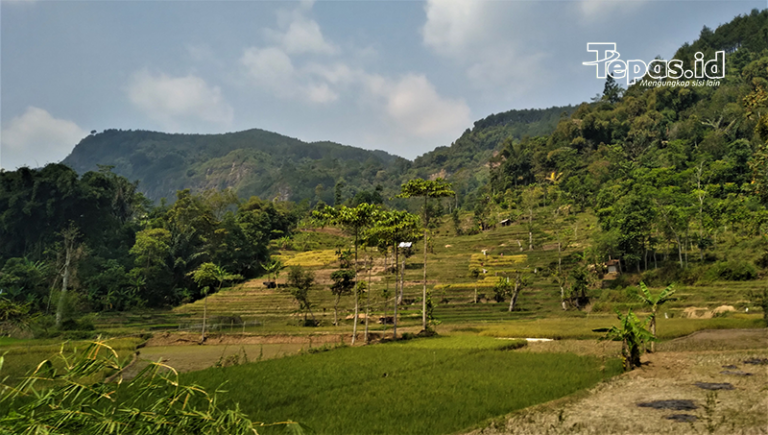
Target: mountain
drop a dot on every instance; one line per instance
(253, 162)
(465, 162)
(270, 165)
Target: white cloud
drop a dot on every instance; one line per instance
(404, 109)
(179, 101)
(303, 36)
(321, 93)
(454, 26)
(299, 34)
(599, 9)
(270, 69)
(36, 138)
(497, 43)
(416, 107)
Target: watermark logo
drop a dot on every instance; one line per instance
(608, 62)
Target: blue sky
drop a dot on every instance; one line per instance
(401, 76)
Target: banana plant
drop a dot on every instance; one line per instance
(632, 334)
(655, 301)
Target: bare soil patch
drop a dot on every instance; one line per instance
(672, 373)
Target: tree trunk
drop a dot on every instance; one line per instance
(368, 301)
(475, 290)
(645, 256)
(397, 297)
(516, 292)
(336, 310)
(653, 331)
(402, 281)
(562, 298)
(69, 247)
(205, 315)
(424, 291)
(386, 277)
(354, 324)
(530, 229)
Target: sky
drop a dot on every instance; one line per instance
(400, 76)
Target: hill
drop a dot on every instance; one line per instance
(270, 165)
(252, 162)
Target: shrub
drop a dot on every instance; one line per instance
(731, 270)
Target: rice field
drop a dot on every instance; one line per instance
(424, 386)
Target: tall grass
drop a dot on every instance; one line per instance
(20, 358)
(431, 386)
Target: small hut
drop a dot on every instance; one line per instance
(614, 266)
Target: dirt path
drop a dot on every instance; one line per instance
(188, 339)
(670, 374)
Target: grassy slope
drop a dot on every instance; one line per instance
(432, 386)
(453, 288)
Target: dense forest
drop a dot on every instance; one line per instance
(97, 234)
(664, 168)
(676, 176)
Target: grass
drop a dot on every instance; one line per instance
(581, 328)
(309, 258)
(20, 359)
(424, 386)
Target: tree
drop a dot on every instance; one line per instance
(612, 91)
(300, 281)
(475, 273)
(394, 228)
(343, 283)
(530, 201)
(343, 280)
(502, 289)
(654, 302)
(355, 220)
(632, 335)
(273, 268)
(426, 189)
(70, 254)
(521, 282)
(209, 276)
(151, 248)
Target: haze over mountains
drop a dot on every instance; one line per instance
(270, 165)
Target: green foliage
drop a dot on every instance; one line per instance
(760, 298)
(343, 281)
(732, 270)
(251, 163)
(211, 277)
(632, 335)
(299, 282)
(25, 281)
(78, 399)
(502, 289)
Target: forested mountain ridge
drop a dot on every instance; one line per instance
(269, 165)
(253, 163)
